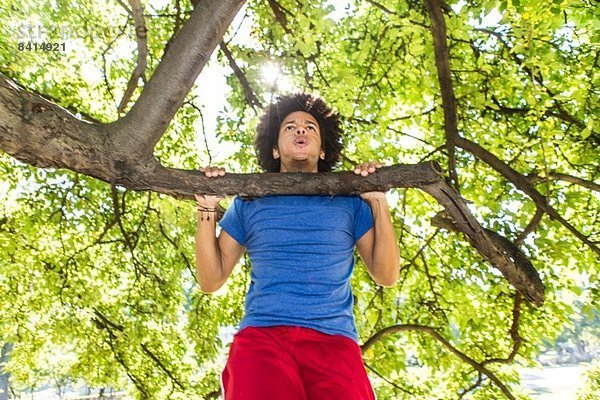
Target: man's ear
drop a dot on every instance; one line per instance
(322, 155)
(275, 153)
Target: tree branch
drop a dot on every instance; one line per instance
(522, 184)
(514, 334)
(42, 134)
(280, 15)
(562, 113)
(501, 252)
(472, 387)
(380, 6)
(137, 12)
(442, 63)
(433, 333)
(567, 178)
(531, 226)
(388, 381)
(103, 323)
(135, 135)
(161, 365)
(239, 74)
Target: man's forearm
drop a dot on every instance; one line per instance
(386, 255)
(208, 255)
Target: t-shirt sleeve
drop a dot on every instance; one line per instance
(363, 220)
(233, 223)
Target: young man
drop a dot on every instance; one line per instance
(297, 340)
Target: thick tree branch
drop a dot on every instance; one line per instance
(449, 103)
(480, 367)
(426, 177)
(507, 257)
(42, 134)
(442, 63)
(183, 184)
(135, 135)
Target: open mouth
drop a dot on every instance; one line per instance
(300, 141)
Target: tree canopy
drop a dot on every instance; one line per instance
(103, 122)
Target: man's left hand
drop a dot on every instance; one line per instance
(365, 169)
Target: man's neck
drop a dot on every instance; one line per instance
(299, 166)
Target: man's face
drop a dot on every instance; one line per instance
(299, 143)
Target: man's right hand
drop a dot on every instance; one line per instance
(210, 201)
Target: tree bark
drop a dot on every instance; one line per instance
(442, 64)
(138, 132)
(4, 376)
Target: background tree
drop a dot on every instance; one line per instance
(98, 279)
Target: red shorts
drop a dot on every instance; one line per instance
(293, 363)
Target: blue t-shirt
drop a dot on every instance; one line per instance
(301, 251)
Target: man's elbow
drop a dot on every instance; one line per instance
(209, 283)
(387, 281)
(388, 276)
(209, 274)
(210, 287)
(386, 270)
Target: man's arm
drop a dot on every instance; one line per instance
(379, 246)
(215, 256)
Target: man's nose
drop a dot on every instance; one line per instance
(300, 130)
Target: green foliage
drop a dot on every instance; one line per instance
(591, 386)
(98, 282)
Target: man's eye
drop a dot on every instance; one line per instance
(289, 127)
(310, 128)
